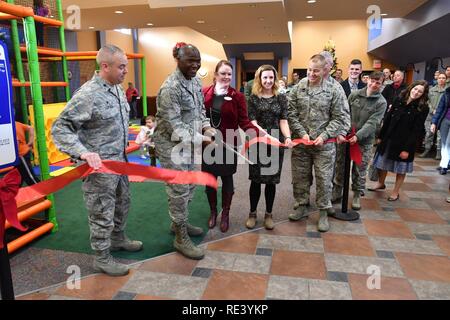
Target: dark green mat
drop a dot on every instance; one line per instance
(148, 220)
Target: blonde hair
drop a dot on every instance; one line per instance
(257, 85)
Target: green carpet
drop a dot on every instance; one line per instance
(148, 220)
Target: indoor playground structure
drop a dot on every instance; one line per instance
(40, 115)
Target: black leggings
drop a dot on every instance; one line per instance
(227, 184)
(255, 193)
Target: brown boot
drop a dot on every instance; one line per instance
(226, 204)
(251, 221)
(268, 222)
(212, 200)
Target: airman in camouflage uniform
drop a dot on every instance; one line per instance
(316, 113)
(181, 117)
(93, 127)
(368, 106)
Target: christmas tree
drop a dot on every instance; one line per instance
(330, 46)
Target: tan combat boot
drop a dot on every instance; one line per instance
(104, 262)
(184, 244)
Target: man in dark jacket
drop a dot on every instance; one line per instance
(353, 83)
(391, 91)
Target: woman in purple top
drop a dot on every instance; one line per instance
(441, 121)
(40, 9)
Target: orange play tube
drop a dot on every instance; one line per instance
(28, 237)
(31, 211)
(135, 55)
(4, 16)
(43, 84)
(80, 53)
(48, 21)
(50, 52)
(16, 10)
(94, 53)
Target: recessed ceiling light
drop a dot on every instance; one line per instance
(180, 9)
(309, 17)
(52, 16)
(311, 1)
(200, 21)
(91, 28)
(118, 11)
(261, 18)
(384, 14)
(225, 36)
(150, 24)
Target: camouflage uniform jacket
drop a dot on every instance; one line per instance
(317, 111)
(180, 112)
(94, 120)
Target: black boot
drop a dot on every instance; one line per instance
(226, 204)
(212, 200)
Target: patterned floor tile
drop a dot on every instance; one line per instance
(298, 264)
(390, 288)
(431, 229)
(394, 229)
(287, 288)
(362, 265)
(405, 245)
(347, 244)
(329, 290)
(420, 216)
(443, 242)
(245, 243)
(425, 267)
(96, 287)
(290, 243)
(297, 229)
(227, 285)
(171, 263)
(166, 285)
(429, 290)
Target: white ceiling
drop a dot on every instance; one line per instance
(234, 22)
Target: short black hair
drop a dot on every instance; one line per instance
(356, 61)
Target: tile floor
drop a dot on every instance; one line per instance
(406, 242)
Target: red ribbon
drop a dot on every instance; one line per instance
(137, 173)
(355, 151)
(9, 187)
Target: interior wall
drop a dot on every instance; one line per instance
(157, 43)
(125, 42)
(349, 36)
(87, 41)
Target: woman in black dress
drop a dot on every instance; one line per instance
(268, 109)
(402, 127)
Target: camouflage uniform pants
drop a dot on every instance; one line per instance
(303, 159)
(179, 195)
(338, 176)
(429, 136)
(358, 172)
(107, 199)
